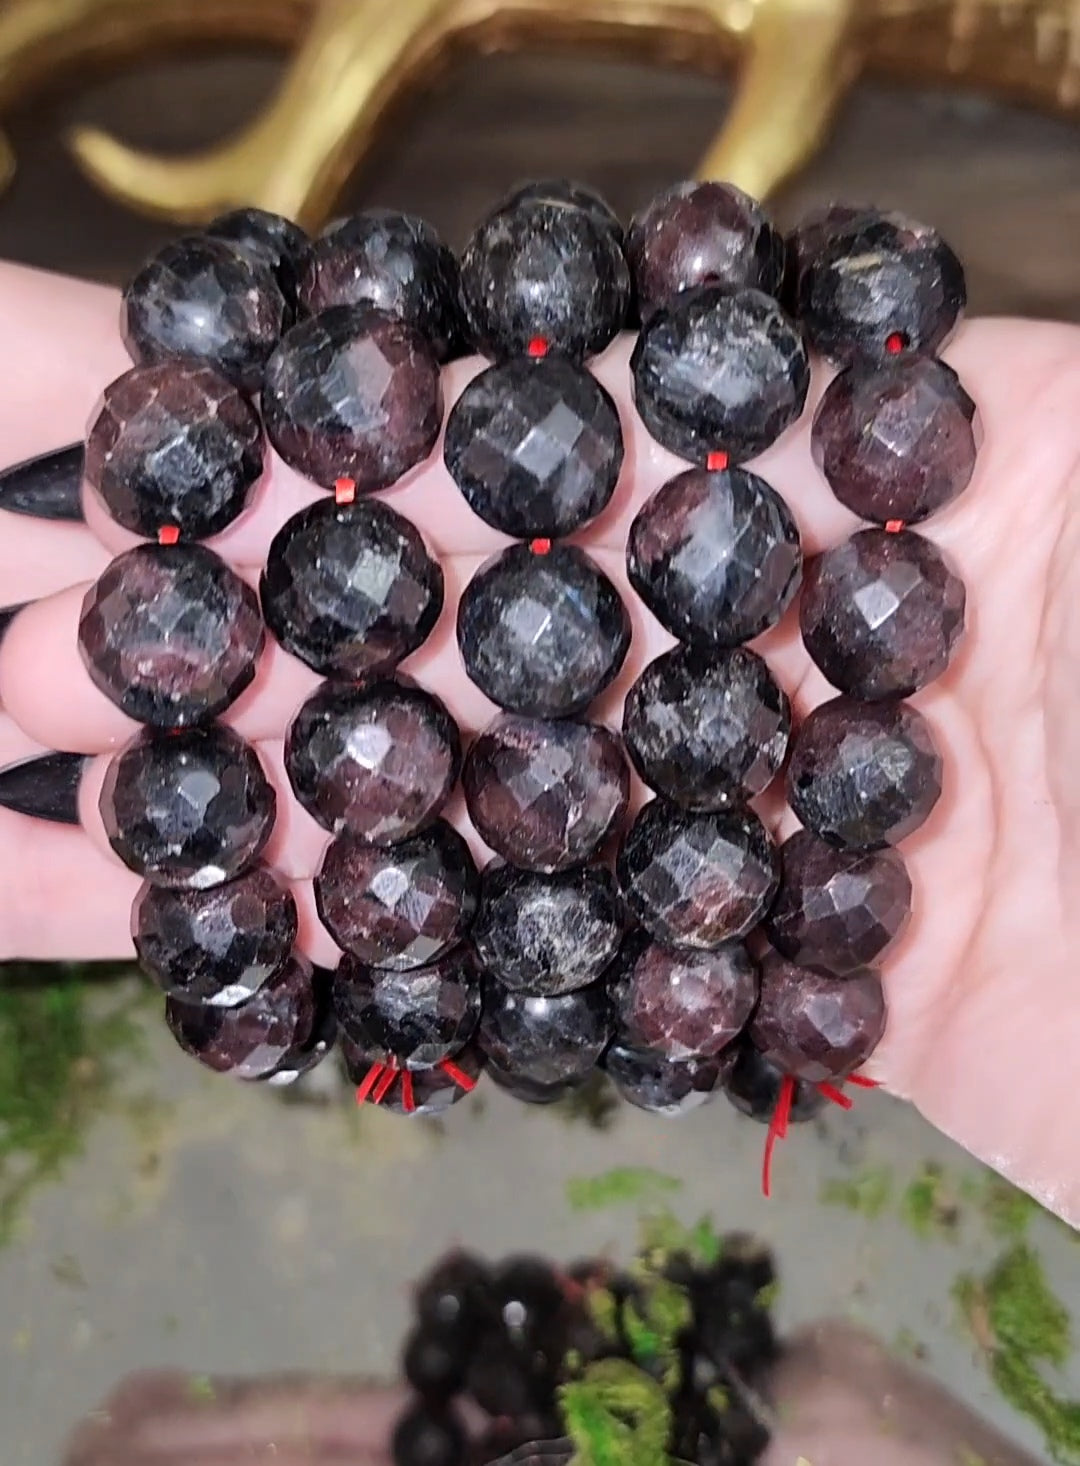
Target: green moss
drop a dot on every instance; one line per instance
(928, 1204)
(654, 1324)
(868, 1193)
(618, 1187)
(201, 1388)
(59, 1053)
(616, 1416)
(1007, 1211)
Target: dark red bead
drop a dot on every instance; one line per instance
(411, 1020)
(251, 1040)
(651, 1081)
(544, 1039)
(752, 1084)
(681, 1003)
(816, 1027)
(266, 237)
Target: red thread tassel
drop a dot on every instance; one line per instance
(168, 534)
(718, 461)
(369, 1081)
(861, 1082)
(408, 1097)
(382, 1089)
(837, 1096)
(777, 1129)
(460, 1078)
(344, 490)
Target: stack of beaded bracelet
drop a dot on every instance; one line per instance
(710, 960)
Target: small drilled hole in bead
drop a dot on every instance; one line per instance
(537, 347)
(895, 343)
(718, 461)
(344, 490)
(168, 534)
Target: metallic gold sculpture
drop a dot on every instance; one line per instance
(353, 58)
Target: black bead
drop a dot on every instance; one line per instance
(413, 1019)
(309, 1053)
(428, 1437)
(707, 729)
(207, 300)
(535, 446)
(719, 371)
(568, 192)
(215, 946)
(528, 1091)
(188, 809)
(269, 238)
(547, 934)
(752, 1084)
(544, 1039)
(350, 589)
(651, 1081)
(251, 1040)
(542, 632)
(393, 261)
(548, 270)
(434, 1364)
(455, 1296)
(715, 556)
(697, 880)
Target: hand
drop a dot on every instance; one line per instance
(984, 1031)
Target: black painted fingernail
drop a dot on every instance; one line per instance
(49, 487)
(7, 616)
(46, 787)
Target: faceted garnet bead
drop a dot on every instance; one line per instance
(170, 634)
(698, 234)
(881, 614)
(350, 589)
(567, 192)
(535, 446)
(393, 261)
(177, 445)
(547, 934)
(896, 440)
(652, 1081)
(542, 631)
(719, 371)
(697, 880)
(545, 794)
(431, 1092)
(715, 556)
(707, 729)
(544, 1039)
(215, 946)
(353, 393)
(863, 774)
(402, 907)
(189, 809)
(528, 1092)
(814, 1026)
(378, 758)
(250, 1041)
(409, 1019)
(303, 1057)
(268, 238)
(812, 233)
(879, 284)
(206, 300)
(681, 1004)
(543, 268)
(752, 1084)
(837, 910)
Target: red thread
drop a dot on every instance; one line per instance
(344, 490)
(460, 1078)
(777, 1129)
(836, 1096)
(537, 347)
(861, 1081)
(895, 343)
(168, 534)
(368, 1083)
(718, 461)
(894, 526)
(540, 547)
(408, 1098)
(382, 1089)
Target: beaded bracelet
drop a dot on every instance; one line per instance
(681, 951)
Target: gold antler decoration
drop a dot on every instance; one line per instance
(797, 59)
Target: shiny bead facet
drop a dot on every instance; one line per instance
(215, 946)
(535, 446)
(393, 261)
(896, 441)
(350, 589)
(411, 1020)
(542, 633)
(544, 1039)
(697, 881)
(719, 370)
(567, 192)
(881, 614)
(543, 269)
(189, 809)
(250, 1041)
(876, 277)
(401, 907)
(545, 793)
(170, 634)
(863, 774)
(174, 444)
(816, 1027)
(378, 759)
(837, 910)
(707, 729)
(547, 934)
(206, 300)
(650, 1081)
(681, 1004)
(268, 238)
(702, 233)
(353, 393)
(715, 556)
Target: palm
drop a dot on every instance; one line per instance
(985, 962)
